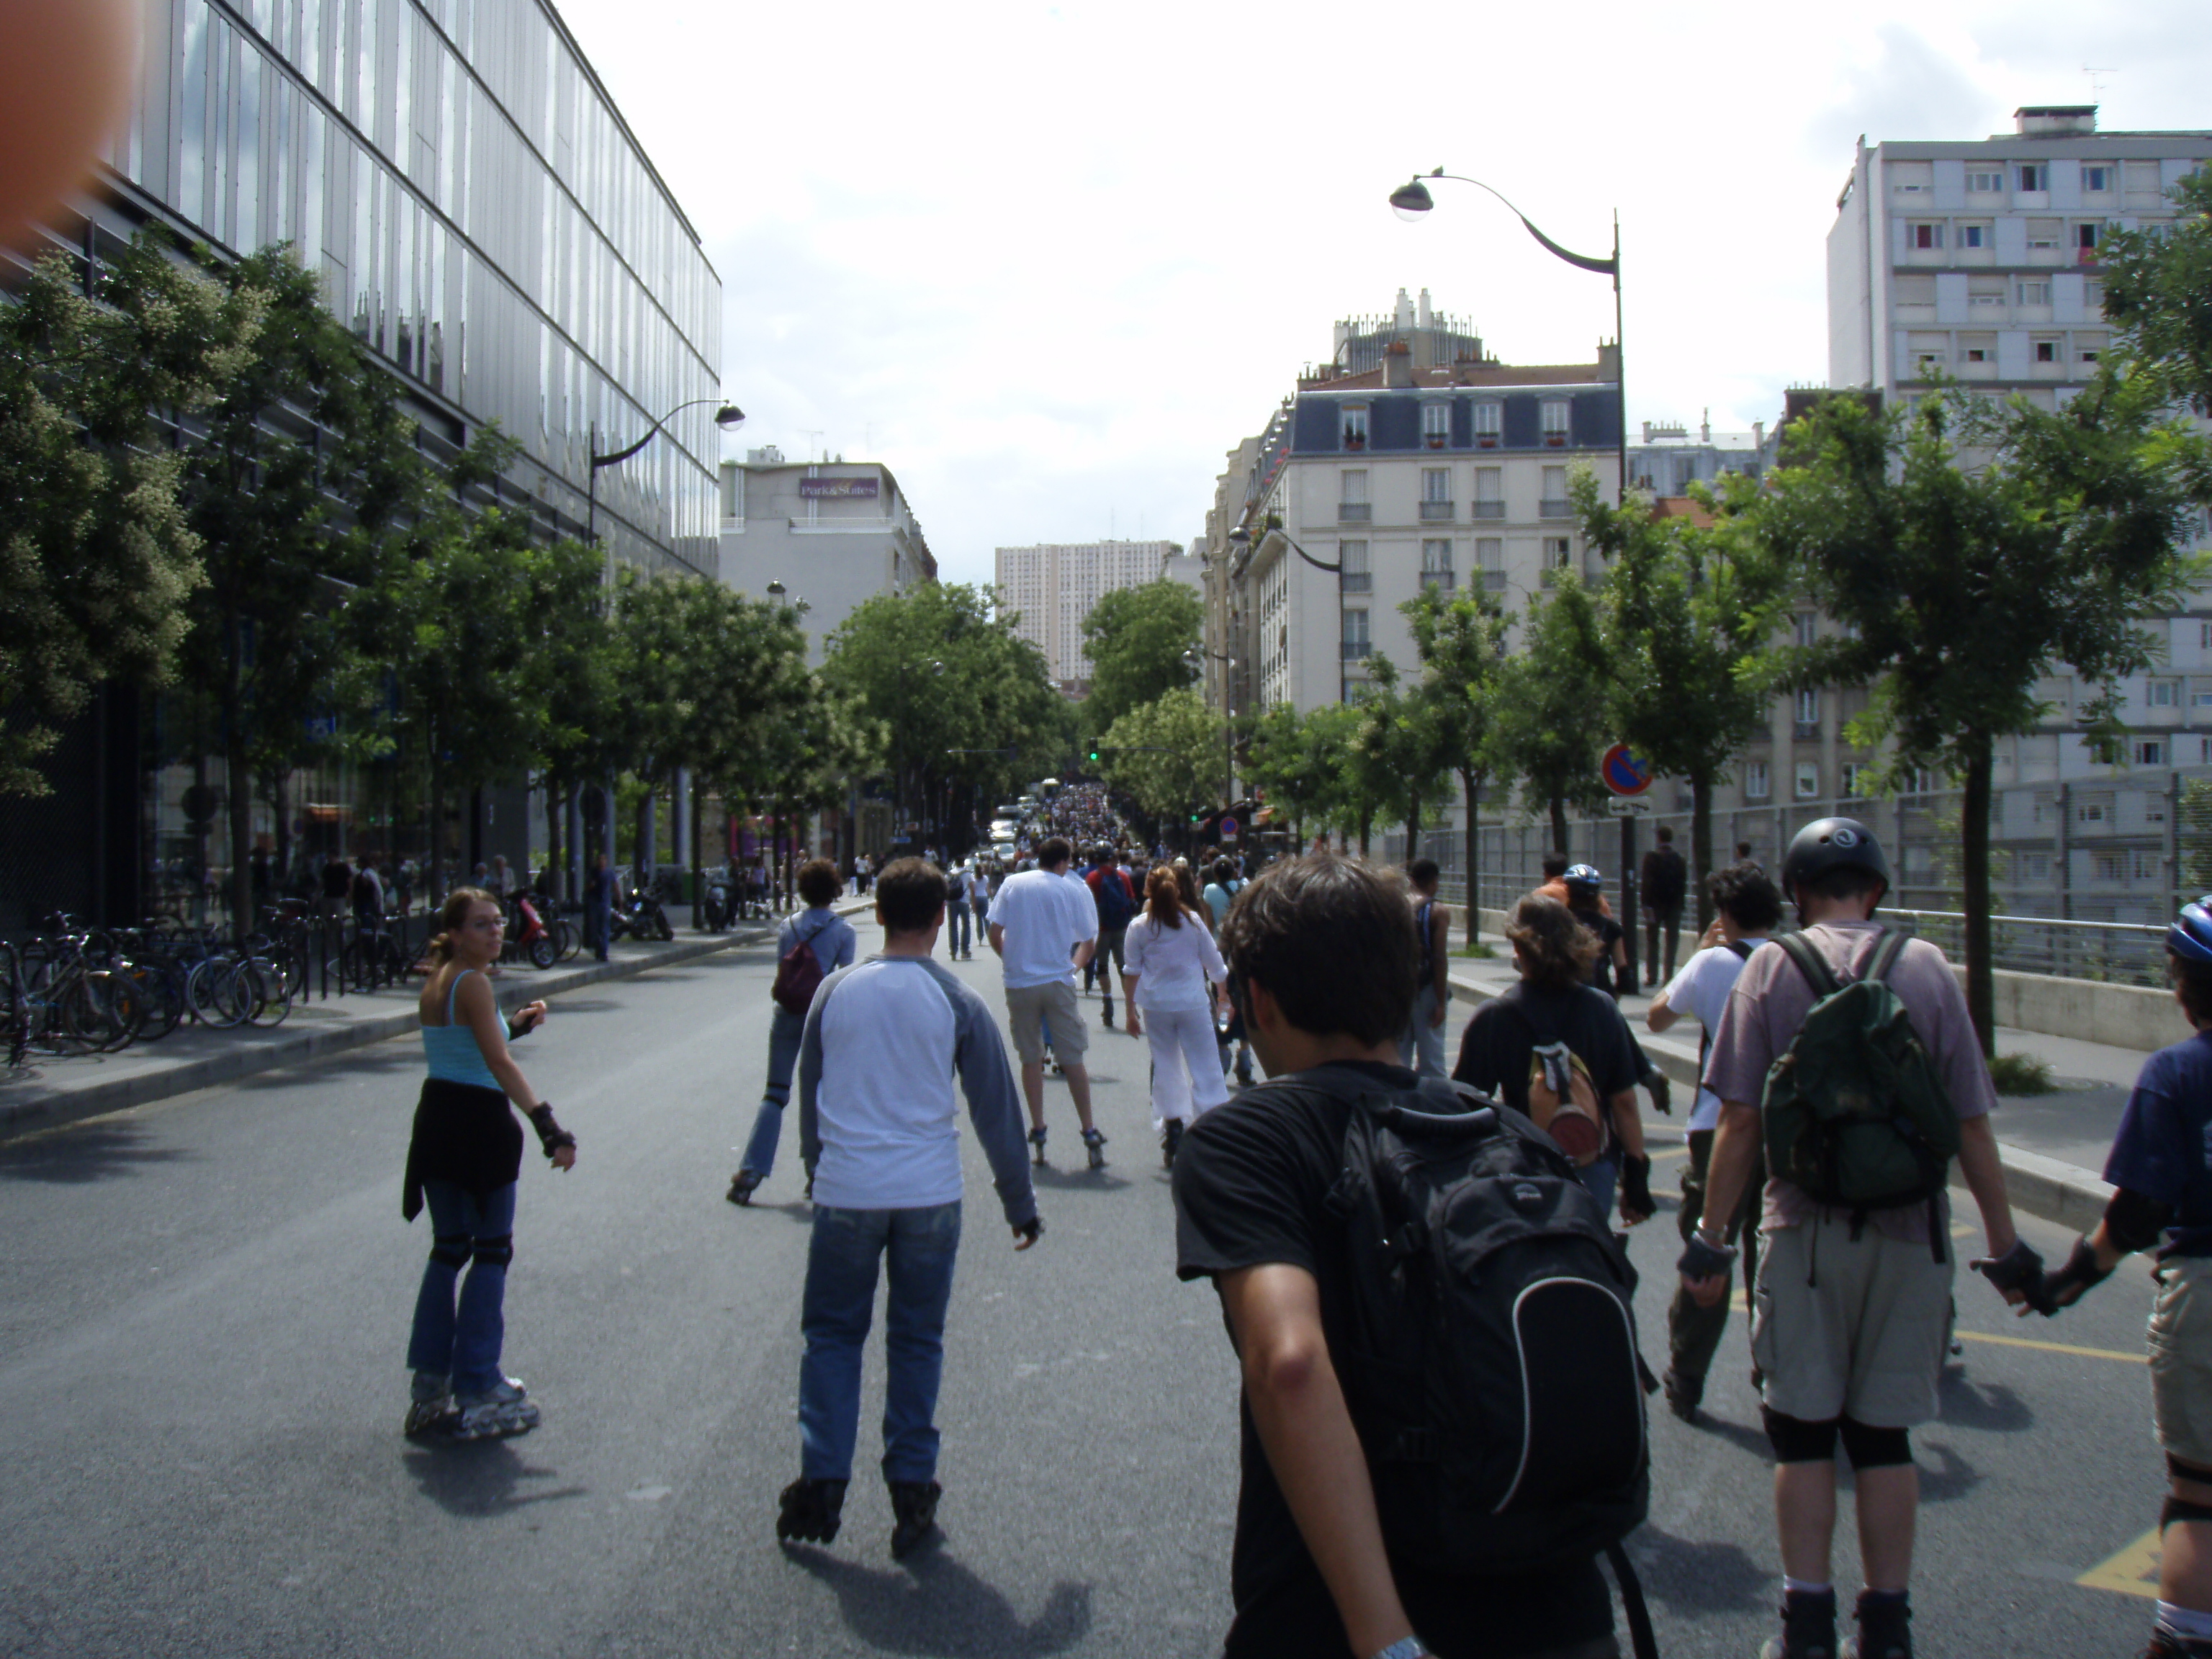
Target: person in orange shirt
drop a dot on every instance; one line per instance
(1555, 883)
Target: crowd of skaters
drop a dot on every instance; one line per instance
(1331, 970)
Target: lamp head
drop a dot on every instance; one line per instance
(1411, 200)
(729, 417)
(1240, 536)
(776, 590)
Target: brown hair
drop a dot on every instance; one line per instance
(2192, 982)
(818, 881)
(451, 916)
(1331, 939)
(909, 895)
(1164, 897)
(1187, 885)
(1555, 950)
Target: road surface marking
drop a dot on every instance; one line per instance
(2051, 1347)
(2133, 1571)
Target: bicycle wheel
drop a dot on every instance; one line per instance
(568, 938)
(203, 990)
(100, 1011)
(235, 995)
(164, 1001)
(272, 991)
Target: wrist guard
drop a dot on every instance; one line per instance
(1704, 1261)
(2063, 1288)
(1636, 1185)
(551, 1137)
(2019, 1268)
(1032, 1229)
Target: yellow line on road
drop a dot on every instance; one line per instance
(2051, 1347)
(1679, 1152)
(2133, 1571)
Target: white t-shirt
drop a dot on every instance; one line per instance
(1045, 917)
(1701, 990)
(1171, 965)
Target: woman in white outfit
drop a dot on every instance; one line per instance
(1172, 966)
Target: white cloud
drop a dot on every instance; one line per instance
(1049, 263)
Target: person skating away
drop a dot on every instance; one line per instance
(957, 914)
(979, 897)
(1320, 952)
(2160, 1171)
(830, 937)
(1853, 1309)
(1219, 894)
(878, 1128)
(1044, 928)
(1666, 883)
(1174, 966)
(1422, 1044)
(463, 1162)
(1115, 895)
(1746, 908)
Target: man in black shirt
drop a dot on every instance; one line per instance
(1666, 885)
(1321, 957)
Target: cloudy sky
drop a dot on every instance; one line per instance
(1049, 262)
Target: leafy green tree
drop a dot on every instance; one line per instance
(1693, 610)
(2158, 292)
(1397, 756)
(1291, 759)
(1461, 640)
(1135, 638)
(1970, 550)
(1158, 752)
(97, 558)
(1554, 704)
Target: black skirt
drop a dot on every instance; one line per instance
(464, 1133)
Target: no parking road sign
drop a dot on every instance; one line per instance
(1622, 773)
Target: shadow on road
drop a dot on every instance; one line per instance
(1102, 1180)
(1699, 1578)
(483, 1478)
(1991, 1406)
(379, 1060)
(935, 1605)
(1745, 1436)
(76, 1157)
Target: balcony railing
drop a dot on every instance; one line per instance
(1437, 579)
(1555, 508)
(1490, 509)
(1358, 581)
(1354, 511)
(1804, 731)
(1493, 581)
(1436, 512)
(1355, 650)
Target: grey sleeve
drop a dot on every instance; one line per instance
(810, 1074)
(994, 1101)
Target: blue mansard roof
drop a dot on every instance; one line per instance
(1394, 420)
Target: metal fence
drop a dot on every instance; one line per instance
(2085, 874)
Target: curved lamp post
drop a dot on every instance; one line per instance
(729, 417)
(1241, 537)
(1196, 658)
(1411, 200)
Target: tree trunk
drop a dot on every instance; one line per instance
(556, 867)
(238, 783)
(1701, 846)
(1974, 832)
(1366, 823)
(1473, 846)
(435, 893)
(1558, 823)
(698, 855)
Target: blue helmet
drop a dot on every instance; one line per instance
(2190, 936)
(1582, 875)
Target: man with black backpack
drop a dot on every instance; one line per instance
(1442, 1421)
(1847, 1055)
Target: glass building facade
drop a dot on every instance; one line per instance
(479, 213)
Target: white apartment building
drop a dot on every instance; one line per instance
(833, 533)
(1054, 585)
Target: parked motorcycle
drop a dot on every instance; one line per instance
(640, 913)
(530, 937)
(719, 904)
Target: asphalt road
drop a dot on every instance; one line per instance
(201, 1378)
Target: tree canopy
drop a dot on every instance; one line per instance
(1162, 753)
(1554, 703)
(1461, 640)
(1135, 638)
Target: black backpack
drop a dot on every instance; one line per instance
(1489, 1355)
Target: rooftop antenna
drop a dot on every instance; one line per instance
(814, 432)
(2096, 84)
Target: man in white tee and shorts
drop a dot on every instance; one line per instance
(1044, 928)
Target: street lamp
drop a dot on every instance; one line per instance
(1410, 201)
(1241, 537)
(1196, 658)
(729, 417)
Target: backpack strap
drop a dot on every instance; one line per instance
(1811, 963)
(1886, 949)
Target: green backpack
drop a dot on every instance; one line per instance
(1854, 1112)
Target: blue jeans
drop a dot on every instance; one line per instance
(1421, 1045)
(920, 1247)
(1601, 1179)
(956, 927)
(784, 1031)
(464, 1345)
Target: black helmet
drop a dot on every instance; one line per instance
(1828, 844)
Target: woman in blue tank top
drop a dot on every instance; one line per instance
(464, 1161)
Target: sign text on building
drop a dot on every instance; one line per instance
(836, 489)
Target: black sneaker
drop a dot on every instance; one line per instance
(812, 1509)
(1684, 1395)
(1170, 1138)
(1885, 1631)
(914, 1513)
(2170, 1644)
(1809, 1629)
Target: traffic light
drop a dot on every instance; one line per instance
(1094, 757)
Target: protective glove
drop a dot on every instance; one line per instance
(2063, 1288)
(2019, 1268)
(1703, 1261)
(551, 1137)
(1636, 1203)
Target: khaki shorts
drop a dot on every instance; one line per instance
(2181, 1360)
(1030, 1008)
(1866, 1340)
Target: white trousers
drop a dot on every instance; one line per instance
(1187, 1078)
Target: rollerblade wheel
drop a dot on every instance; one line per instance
(1037, 1148)
(1094, 1144)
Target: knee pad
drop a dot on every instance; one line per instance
(2181, 1471)
(2180, 1508)
(1796, 1441)
(450, 1250)
(495, 1252)
(1869, 1447)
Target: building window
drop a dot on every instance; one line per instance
(1357, 577)
(1490, 555)
(1926, 235)
(1489, 492)
(1558, 553)
(1807, 715)
(2096, 179)
(2164, 694)
(1436, 425)
(1554, 503)
(1854, 779)
(1488, 418)
(1978, 354)
(2032, 293)
(2109, 866)
(1803, 631)
(1436, 493)
(2085, 238)
(1756, 784)
(2047, 351)
(1355, 634)
(1555, 423)
(1808, 780)
(1973, 236)
(2150, 751)
(1355, 426)
(1437, 563)
(1352, 504)
(2034, 176)
(1985, 182)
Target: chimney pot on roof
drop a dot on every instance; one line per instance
(2054, 120)
(1398, 365)
(1423, 315)
(1403, 313)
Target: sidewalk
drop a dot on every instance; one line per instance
(51, 1092)
(2053, 1144)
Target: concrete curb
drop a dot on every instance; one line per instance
(2046, 1187)
(50, 1108)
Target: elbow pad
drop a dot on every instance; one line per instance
(2133, 1222)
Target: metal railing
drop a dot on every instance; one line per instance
(2118, 952)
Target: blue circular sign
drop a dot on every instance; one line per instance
(1622, 773)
